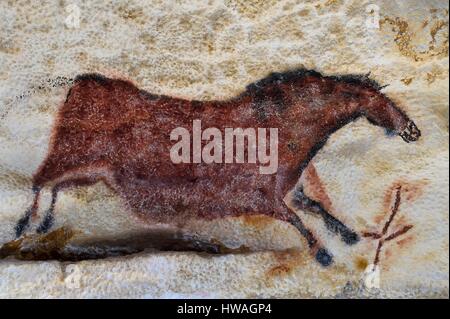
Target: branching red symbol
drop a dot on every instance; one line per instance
(383, 236)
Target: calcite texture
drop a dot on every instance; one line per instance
(393, 194)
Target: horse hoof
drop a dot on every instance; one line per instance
(323, 257)
(46, 224)
(350, 237)
(22, 225)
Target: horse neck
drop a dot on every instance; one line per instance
(345, 115)
(315, 138)
(326, 123)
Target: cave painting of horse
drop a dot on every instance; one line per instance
(110, 130)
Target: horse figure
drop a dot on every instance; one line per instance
(109, 130)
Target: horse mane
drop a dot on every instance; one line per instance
(361, 79)
(276, 78)
(267, 91)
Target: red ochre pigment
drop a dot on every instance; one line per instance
(109, 130)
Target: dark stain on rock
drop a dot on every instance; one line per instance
(279, 270)
(61, 245)
(361, 263)
(34, 247)
(287, 261)
(257, 221)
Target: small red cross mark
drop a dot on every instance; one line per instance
(383, 236)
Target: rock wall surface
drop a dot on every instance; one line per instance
(211, 50)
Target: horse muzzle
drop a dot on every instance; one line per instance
(411, 133)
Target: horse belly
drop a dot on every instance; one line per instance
(174, 198)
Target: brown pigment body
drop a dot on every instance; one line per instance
(110, 130)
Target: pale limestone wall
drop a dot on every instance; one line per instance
(212, 49)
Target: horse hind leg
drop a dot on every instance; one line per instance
(24, 222)
(62, 175)
(49, 218)
(48, 172)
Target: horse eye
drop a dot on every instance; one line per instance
(347, 94)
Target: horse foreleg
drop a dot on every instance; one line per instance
(303, 202)
(320, 253)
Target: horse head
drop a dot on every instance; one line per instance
(382, 111)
